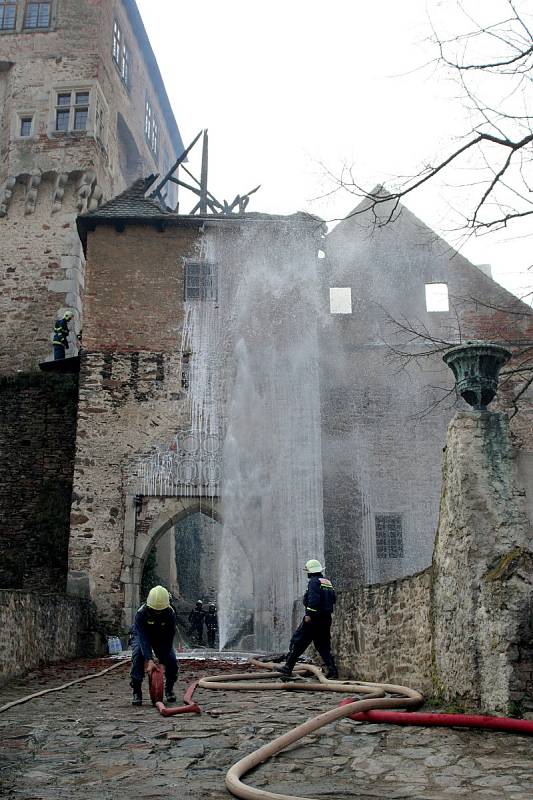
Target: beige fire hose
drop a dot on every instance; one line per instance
(252, 681)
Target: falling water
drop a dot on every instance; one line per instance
(252, 353)
(271, 489)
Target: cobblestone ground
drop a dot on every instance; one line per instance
(89, 742)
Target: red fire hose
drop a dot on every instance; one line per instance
(155, 681)
(443, 720)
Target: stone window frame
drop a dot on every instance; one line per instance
(96, 102)
(121, 54)
(204, 285)
(20, 115)
(389, 545)
(38, 28)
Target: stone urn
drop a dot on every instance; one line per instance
(476, 366)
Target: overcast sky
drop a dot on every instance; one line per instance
(290, 89)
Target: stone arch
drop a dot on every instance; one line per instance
(164, 513)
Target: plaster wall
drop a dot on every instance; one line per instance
(384, 418)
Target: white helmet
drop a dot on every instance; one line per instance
(313, 566)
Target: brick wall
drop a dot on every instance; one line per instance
(38, 629)
(383, 633)
(37, 436)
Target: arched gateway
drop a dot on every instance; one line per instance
(159, 515)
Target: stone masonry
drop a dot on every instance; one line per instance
(461, 630)
(383, 632)
(482, 592)
(39, 628)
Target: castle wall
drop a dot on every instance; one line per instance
(460, 630)
(384, 417)
(48, 177)
(38, 628)
(131, 398)
(383, 633)
(37, 435)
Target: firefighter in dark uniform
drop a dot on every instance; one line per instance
(197, 619)
(60, 337)
(152, 637)
(211, 624)
(319, 600)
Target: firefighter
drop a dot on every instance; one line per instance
(60, 337)
(152, 638)
(211, 624)
(197, 619)
(319, 600)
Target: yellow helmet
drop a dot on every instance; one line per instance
(158, 598)
(312, 566)
(68, 315)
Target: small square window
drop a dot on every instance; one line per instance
(37, 15)
(63, 99)
(25, 126)
(8, 15)
(437, 297)
(389, 536)
(340, 301)
(82, 98)
(201, 281)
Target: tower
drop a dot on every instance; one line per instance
(83, 113)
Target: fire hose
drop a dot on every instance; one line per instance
(356, 709)
(368, 710)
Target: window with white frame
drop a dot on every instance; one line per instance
(389, 536)
(437, 297)
(38, 15)
(151, 128)
(8, 15)
(121, 54)
(201, 281)
(72, 110)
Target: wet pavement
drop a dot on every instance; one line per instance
(88, 742)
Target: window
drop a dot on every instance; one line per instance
(437, 297)
(99, 122)
(389, 536)
(8, 15)
(37, 15)
(25, 126)
(72, 111)
(200, 281)
(121, 54)
(151, 130)
(340, 301)
(117, 42)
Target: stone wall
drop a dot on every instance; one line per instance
(462, 630)
(39, 629)
(48, 177)
(37, 439)
(483, 570)
(383, 632)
